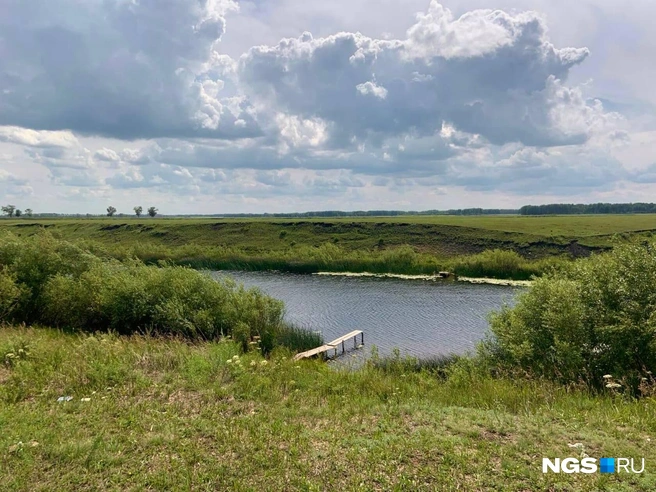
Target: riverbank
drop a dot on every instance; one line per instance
(165, 414)
(412, 248)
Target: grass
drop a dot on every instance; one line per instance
(374, 244)
(168, 415)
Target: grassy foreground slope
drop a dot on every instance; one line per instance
(167, 415)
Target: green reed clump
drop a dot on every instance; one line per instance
(296, 338)
(440, 365)
(331, 257)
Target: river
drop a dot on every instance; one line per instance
(420, 318)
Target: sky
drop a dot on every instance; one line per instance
(222, 106)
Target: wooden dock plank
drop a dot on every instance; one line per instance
(314, 351)
(331, 345)
(348, 336)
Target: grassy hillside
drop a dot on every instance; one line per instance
(160, 414)
(362, 244)
(434, 234)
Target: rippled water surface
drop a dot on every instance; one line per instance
(420, 318)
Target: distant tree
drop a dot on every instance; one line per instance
(138, 210)
(28, 212)
(9, 210)
(152, 211)
(18, 212)
(111, 211)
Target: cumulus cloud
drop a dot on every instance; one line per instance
(117, 68)
(480, 101)
(39, 139)
(488, 73)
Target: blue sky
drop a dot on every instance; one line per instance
(210, 106)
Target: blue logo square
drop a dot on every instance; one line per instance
(607, 465)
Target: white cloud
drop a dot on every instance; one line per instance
(116, 96)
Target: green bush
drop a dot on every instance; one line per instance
(10, 294)
(595, 318)
(128, 297)
(49, 281)
(32, 261)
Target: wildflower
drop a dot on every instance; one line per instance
(613, 385)
(16, 447)
(229, 361)
(263, 363)
(253, 363)
(85, 399)
(235, 357)
(608, 376)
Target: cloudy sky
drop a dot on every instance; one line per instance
(210, 106)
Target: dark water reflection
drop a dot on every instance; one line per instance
(420, 318)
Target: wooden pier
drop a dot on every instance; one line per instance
(334, 345)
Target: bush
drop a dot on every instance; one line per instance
(49, 281)
(129, 297)
(32, 261)
(596, 317)
(10, 295)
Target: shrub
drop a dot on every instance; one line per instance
(49, 281)
(10, 294)
(596, 317)
(32, 261)
(129, 297)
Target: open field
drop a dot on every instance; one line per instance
(168, 415)
(372, 244)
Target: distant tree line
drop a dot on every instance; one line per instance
(552, 209)
(383, 213)
(592, 208)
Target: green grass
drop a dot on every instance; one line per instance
(373, 244)
(169, 415)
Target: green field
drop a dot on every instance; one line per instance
(168, 415)
(436, 233)
(409, 245)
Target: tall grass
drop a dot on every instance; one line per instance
(333, 258)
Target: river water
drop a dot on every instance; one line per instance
(420, 318)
